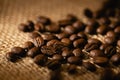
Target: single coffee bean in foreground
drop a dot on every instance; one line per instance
(38, 41)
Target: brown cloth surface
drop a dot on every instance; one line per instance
(13, 12)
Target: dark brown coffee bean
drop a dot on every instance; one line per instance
(118, 43)
(101, 61)
(89, 66)
(57, 57)
(30, 24)
(53, 64)
(19, 51)
(104, 21)
(104, 46)
(63, 23)
(82, 35)
(109, 51)
(48, 50)
(79, 25)
(88, 47)
(52, 28)
(48, 36)
(98, 14)
(44, 20)
(34, 35)
(72, 18)
(73, 37)
(38, 41)
(102, 29)
(51, 42)
(10, 56)
(62, 35)
(67, 53)
(28, 45)
(72, 69)
(94, 41)
(39, 27)
(111, 34)
(79, 43)
(70, 29)
(115, 59)
(117, 30)
(93, 23)
(24, 28)
(78, 53)
(67, 41)
(107, 74)
(90, 30)
(96, 53)
(88, 13)
(74, 60)
(40, 59)
(33, 52)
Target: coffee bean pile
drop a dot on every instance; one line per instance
(69, 41)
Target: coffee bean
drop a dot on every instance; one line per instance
(72, 18)
(67, 53)
(33, 52)
(30, 24)
(72, 69)
(89, 66)
(34, 35)
(90, 30)
(62, 35)
(88, 13)
(51, 42)
(48, 36)
(39, 27)
(48, 50)
(109, 40)
(79, 25)
(109, 51)
(79, 43)
(40, 59)
(111, 34)
(74, 60)
(67, 41)
(38, 41)
(104, 46)
(82, 35)
(78, 53)
(92, 23)
(63, 23)
(102, 29)
(58, 57)
(73, 37)
(44, 20)
(117, 30)
(94, 41)
(28, 45)
(19, 51)
(23, 27)
(96, 53)
(53, 64)
(88, 47)
(118, 43)
(70, 29)
(105, 21)
(101, 61)
(115, 59)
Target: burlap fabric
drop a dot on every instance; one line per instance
(13, 12)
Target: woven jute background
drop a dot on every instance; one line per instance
(13, 12)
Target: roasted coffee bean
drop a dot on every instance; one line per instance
(58, 57)
(104, 46)
(70, 29)
(67, 53)
(96, 53)
(40, 59)
(101, 61)
(38, 41)
(82, 35)
(30, 24)
(72, 18)
(44, 20)
(115, 59)
(79, 43)
(51, 42)
(13, 57)
(109, 51)
(23, 27)
(48, 36)
(74, 60)
(90, 30)
(98, 14)
(118, 43)
(88, 47)
(94, 41)
(92, 23)
(78, 53)
(62, 35)
(73, 37)
(54, 28)
(111, 34)
(79, 25)
(102, 29)
(28, 45)
(53, 64)
(19, 51)
(109, 40)
(34, 35)
(63, 23)
(104, 21)
(48, 50)
(117, 30)
(33, 52)
(107, 74)
(39, 27)
(89, 66)
(88, 13)
(72, 69)
(67, 41)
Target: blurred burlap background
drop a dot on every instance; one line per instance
(13, 12)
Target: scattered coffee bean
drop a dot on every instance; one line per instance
(62, 35)
(90, 30)
(51, 42)
(89, 66)
(67, 53)
(115, 59)
(111, 34)
(109, 40)
(102, 29)
(88, 13)
(30, 24)
(72, 69)
(39, 27)
(63, 23)
(70, 29)
(105, 21)
(44, 20)
(78, 53)
(79, 25)
(24, 28)
(82, 35)
(67, 41)
(38, 41)
(34, 35)
(117, 30)
(71, 18)
(94, 41)
(58, 57)
(28, 45)
(73, 37)
(48, 37)
(104, 46)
